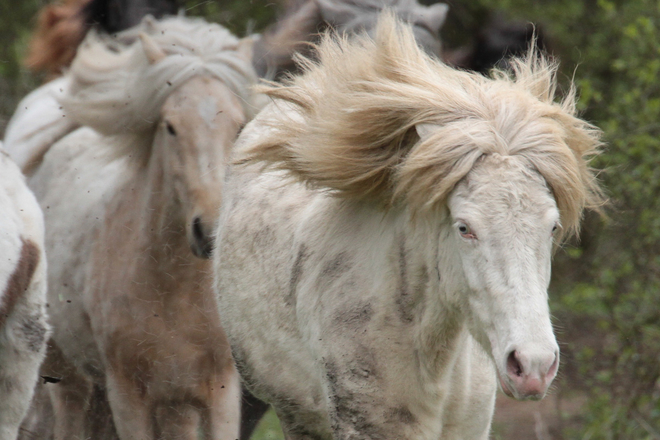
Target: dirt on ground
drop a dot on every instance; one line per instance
(542, 420)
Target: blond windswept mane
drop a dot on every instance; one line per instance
(357, 108)
(115, 89)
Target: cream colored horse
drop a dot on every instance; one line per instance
(391, 264)
(130, 201)
(23, 327)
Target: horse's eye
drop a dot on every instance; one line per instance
(170, 128)
(465, 231)
(555, 228)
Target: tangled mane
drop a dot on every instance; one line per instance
(358, 110)
(114, 88)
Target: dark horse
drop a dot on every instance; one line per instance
(304, 21)
(493, 39)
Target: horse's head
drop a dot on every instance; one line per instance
(504, 219)
(198, 124)
(174, 92)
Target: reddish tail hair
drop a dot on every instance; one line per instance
(60, 29)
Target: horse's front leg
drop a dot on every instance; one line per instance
(222, 416)
(369, 397)
(70, 395)
(22, 344)
(130, 406)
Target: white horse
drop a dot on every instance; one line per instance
(391, 264)
(129, 207)
(23, 326)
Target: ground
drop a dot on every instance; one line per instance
(513, 420)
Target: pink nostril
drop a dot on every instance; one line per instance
(530, 372)
(513, 366)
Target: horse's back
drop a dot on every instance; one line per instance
(23, 326)
(38, 122)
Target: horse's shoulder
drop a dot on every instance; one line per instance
(77, 181)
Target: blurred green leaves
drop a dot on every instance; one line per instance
(617, 54)
(606, 289)
(16, 19)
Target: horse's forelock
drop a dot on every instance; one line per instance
(358, 106)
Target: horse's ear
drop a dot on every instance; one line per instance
(149, 23)
(153, 52)
(434, 16)
(245, 48)
(425, 130)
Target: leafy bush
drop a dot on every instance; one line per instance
(15, 81)
(606, 289)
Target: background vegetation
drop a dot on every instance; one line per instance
(606, 288)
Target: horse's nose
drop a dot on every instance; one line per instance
(202, 239)
(530, 371)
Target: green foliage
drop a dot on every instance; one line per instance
(15, 81)
(269, 428)
(606, 292)
(606, 289)
(242, 17)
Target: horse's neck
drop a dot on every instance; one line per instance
(157, 213)
(422, 270)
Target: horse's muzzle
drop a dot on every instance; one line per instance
(529, 373)
(202, 242)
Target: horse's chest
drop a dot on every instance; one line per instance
(163, 342)
(157, 318)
